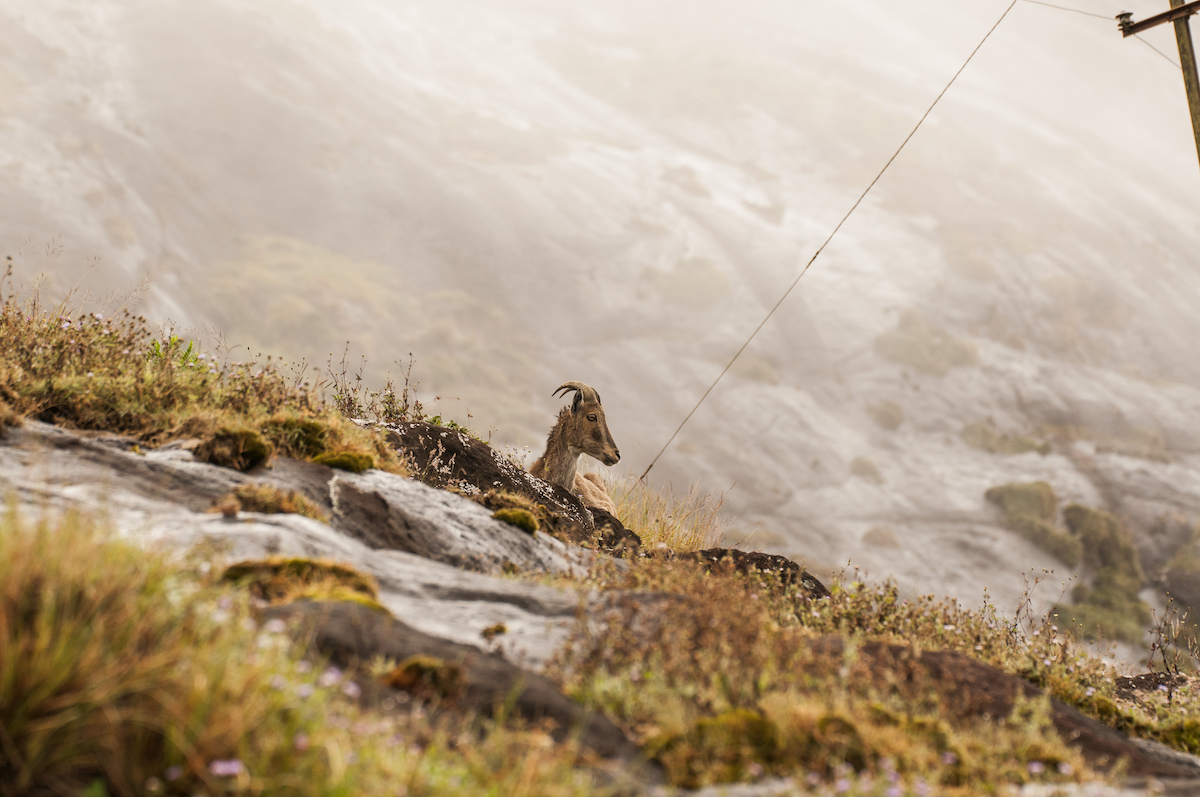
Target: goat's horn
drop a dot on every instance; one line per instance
(588, 393)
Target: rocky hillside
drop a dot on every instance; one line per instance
(521, 193)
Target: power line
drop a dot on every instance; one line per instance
(1160, 52)
(1064, 8)
(1170, 60)
(804, 271)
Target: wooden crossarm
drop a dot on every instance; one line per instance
(1129, 27)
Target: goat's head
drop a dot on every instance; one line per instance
(584, 429)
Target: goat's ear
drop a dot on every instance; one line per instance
(578, 402)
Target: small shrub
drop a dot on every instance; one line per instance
(271, 500)
(305, 437)
(1032, 499)
(284, 579)
(1045, 535)
(521, 518)
(353, 461)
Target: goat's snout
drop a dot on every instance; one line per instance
(613, 458)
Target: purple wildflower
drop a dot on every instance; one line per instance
(329, 677)
(300, 742)
(1035, 767)
(226, 768)
(173, 773)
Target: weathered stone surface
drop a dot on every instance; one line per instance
(161, 497)
(354, 635)
(750, 562)
(387, 511)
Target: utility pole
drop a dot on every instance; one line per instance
(1179, 13)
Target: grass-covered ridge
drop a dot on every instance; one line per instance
(124, 674)
(91, 372)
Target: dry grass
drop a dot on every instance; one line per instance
(720, 680)
(86, 371)
(691, 522)
(272, 500)
(121, 674)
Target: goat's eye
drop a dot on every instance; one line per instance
(591, 416)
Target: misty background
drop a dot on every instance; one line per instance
(525, 192)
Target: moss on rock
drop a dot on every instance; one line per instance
(281, 579)
(521, 518)
(272, 500)
(297, 435)
(353, 461)
(241, 448)
(1031, 499)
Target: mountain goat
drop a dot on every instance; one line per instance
(581, 429)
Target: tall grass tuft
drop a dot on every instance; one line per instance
(690, 522)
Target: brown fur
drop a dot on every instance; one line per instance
(581, 429)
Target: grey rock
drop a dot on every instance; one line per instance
(160, 499)
(387, 511)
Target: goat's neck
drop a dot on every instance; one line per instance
(561, 459)
(561, 469)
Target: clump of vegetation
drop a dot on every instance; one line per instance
(353, 461)
(887, 414)
(925, 346)
(88, 371)
(984, 435)
(271, 500)
(1109, 607)
(690, 522)
(521, 518)
(285, 579)
(1029, 510)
